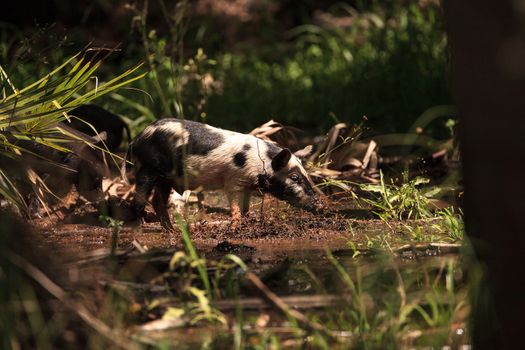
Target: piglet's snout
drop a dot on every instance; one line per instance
(315, 204)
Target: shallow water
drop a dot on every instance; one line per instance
(408, 295)
(317, 285)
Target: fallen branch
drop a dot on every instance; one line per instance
(441, 248)
(369, 151)
(294, 301)
(99, 255)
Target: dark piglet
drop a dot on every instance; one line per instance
(87, 116)
(179, 154)
(82, 167)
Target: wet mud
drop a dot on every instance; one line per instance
(270, 227)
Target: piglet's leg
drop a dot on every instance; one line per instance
(160, 204)
(239, 204)
(244, 201)
(146, 181)
(200, 200)
(233, 198)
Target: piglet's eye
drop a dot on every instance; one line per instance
(294, 177)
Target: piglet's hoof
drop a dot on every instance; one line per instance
(134, 224)
(165, 223)
(235, 225)
(148, 216)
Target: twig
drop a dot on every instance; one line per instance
(298, 302)
(98, 255)
(305, 302)
(366, 159)
(139, 246)
(443, 248)
(280, 305)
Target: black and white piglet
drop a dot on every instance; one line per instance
(179, 154)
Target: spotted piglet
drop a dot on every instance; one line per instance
(182, 154)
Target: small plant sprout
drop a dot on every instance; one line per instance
(116, 226)
(451, 223)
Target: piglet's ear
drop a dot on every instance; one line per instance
(101, 136)
(281, 159)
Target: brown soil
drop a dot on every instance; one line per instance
(274, 227)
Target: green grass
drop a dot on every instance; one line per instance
(399, 202)
(390, 70)
(405, 208)
(197, 286)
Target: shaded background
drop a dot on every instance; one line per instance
(305, 63)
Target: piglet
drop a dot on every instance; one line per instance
(182, 154)
(92, 119)
(81, 166)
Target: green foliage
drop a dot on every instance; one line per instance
(388, 304)
(410, 200)
(177, 84)
(399, 202)
(190, 249)
(358, 308)
(451, 223)
(389, 65)
(184, 88)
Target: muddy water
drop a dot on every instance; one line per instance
(313, 271)
(295, 274)
(309, 281)
(289, 250)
